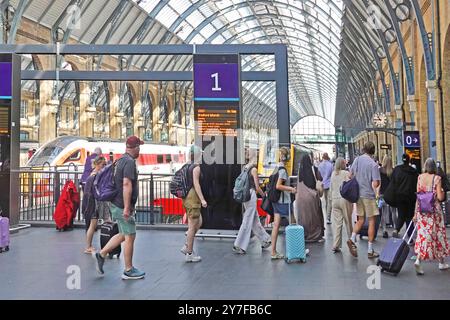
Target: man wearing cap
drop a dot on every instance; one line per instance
(122, 207)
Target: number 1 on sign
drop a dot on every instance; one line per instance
(216, 82)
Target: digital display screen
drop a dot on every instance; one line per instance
(5, 80)
(4, 120)
(217, 120)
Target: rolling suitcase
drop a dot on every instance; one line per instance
(364, 232)
(107, 231)
(295, 242)
(447, 213)
(394, 254)
(4, 234)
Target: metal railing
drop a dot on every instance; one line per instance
(40, 191)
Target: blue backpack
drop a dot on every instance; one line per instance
(350, 190)
(104, 186)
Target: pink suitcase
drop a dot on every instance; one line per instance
(4, 234)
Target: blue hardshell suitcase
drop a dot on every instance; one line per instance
(394, 254)
(295, 243)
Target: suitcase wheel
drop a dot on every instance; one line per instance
(303, 260)
(288, 261)
(111, 256)
(7, 248)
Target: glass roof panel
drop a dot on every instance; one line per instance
(310, 28)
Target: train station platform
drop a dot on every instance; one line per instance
(37, 264)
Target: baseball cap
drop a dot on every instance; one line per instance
(133, 142)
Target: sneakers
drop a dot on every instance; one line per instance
(191, 257)
(238, 250)
(395, 234)
(328, 221)
(266, 244)
(184, 249)
(443, 266)
(277, 256)
(373, 254)
(419, 269)
(353, 248)
(99, 262)
(133, 274)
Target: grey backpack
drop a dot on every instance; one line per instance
(241, 190)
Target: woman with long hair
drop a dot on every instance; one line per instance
(341, 209)
(385, 210)
(93, 210)
(431, 241)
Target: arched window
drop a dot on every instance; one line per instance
(147, 107)
(314, 125)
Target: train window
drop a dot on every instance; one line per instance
(74, 156)
(168, 158)
(176, 158)
(159, 158)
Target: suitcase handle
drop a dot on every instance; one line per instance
(289, 208)
(407, 229)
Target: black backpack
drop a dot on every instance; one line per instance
(182, 181)
(272, 193)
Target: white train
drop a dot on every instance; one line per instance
(70, 150)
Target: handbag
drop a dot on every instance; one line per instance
(319, 184)
(266, 205)
(427, 200)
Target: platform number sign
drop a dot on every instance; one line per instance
(216, 78)
(412, 139)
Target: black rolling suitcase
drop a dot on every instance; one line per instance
(107, 231)
(364, 232)
(394, 254)
(446, 210)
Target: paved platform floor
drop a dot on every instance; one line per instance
(36, 268)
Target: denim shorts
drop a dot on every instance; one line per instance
(126, 227)
(282, 208)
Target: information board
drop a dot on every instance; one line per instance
(217, 109)
(10, 89)
(218, 120)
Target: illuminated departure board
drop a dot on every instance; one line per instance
(217, 121)
(217, 114)
(4, 120)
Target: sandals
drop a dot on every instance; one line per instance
(353, 248)
(89, 251)
(277, 256)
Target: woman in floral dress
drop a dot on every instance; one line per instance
(431, 242)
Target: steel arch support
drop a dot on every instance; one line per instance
(401, 43)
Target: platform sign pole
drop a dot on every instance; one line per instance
(10, 90)
(218, 120)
